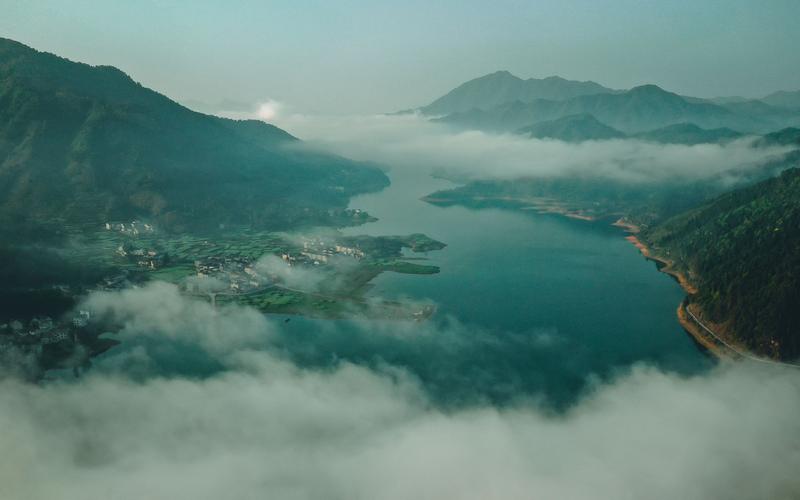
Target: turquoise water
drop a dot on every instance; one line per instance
(529, 305)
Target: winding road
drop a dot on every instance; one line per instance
(732, 348)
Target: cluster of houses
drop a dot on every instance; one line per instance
(238, 273)
(133, 228)
(42, 330)
(317, 251)
(144, 257)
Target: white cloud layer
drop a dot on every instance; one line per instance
(409, 141)
(266, 428)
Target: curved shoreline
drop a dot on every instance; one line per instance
(667, 266)
(718, 344)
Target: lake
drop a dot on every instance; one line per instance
(529, 306)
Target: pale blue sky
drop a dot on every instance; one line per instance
(372, 56)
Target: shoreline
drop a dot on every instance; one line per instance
(690, 314)
(701, 337)
(667, 266)
(540, 205)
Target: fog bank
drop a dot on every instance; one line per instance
(265, 427)
(411, 141)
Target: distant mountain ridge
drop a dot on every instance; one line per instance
(784, 99)
(689, 134)
(502, 102)
(81, 143)
(585, 127)
(501, 87)
(640, 109)
(572, 128)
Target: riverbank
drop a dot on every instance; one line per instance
(667, 266)
(538, 204)
(713, 337)
(720, 348)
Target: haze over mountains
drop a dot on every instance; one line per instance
(80, 143)
(501, 102)
(784, 99)
(735, 235)
(501, 87)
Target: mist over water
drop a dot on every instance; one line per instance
(554, 368)
(160, 193)
(529, 305)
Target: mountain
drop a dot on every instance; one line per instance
(724, 100)
(688, 133)
(222, 106)
(502, 87)
(640, 109)
(742, 251)
(585, 127)
(784, 99)
(573, 128)
(785, 137)
(82, 143)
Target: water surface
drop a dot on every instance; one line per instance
(529, 305)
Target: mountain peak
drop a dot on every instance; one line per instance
(502, 87)
(572, 128)
(499, 75)
(648, 88)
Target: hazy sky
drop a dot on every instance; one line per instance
(371, 56)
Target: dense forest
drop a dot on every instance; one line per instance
(82, 143)
(742, 250)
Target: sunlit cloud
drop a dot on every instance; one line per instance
(268, 110)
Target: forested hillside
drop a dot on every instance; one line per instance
(742, 250)
(84, 144)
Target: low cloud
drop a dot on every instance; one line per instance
(268, 110)
(265, 426)
(159, 312)
(298, 277)
(410, 141)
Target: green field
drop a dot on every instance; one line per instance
(339, 292)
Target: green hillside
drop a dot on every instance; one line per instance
(573, 128)
(85, 144)
(742, 250)
(688, 133)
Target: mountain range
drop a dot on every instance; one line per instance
(783, 99)
(585, 127)
(501, 102)
(81, 143)
(572, 128)
(502, 87)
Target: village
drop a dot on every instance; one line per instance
(45, 343)
(242, 275)
(42, 331)
(223, 268)
(229, 265)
